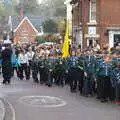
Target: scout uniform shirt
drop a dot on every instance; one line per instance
(104, 69)
(73, 62)
(115, 77)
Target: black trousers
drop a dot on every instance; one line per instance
(73, 79)
(80, 76)
(98, 81)
(29, 69)
(43, 75)
(15, 69)
(35, 75)
(117, 93)
(104, 87)
(50, 76)
(60, 79)
(23, 69)
(7, 72)
(67, 78)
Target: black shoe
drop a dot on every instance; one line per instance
(9, 82)
(49, 85)
(104, 101)
(73, 91)
(41, 82)
(36, 81)
(81, 93)
(21, 78)
(4, 82)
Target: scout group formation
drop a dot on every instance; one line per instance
(89, 72)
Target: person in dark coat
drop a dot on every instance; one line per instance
(6, 64)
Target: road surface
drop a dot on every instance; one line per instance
(25, 100)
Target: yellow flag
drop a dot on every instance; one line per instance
(65, 49)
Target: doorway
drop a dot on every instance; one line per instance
(116, 39)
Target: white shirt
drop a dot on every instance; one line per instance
(47, 52)
(23, 58)
(96, 48)
(30, 55)
(42, 52)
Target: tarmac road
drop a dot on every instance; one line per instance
(30, 101)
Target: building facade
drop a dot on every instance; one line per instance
(96, 20)
(26, 30)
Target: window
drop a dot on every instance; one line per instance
(24, 40)
(93, 11)
(24, 33)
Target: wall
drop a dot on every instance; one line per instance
(108, 12)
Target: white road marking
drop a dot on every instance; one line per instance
(44, 101)
(12, 108)
(35, 101)
(3, 110)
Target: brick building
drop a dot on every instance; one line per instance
(26, 30)
(96, 20)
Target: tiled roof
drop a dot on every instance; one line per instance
(35, 20)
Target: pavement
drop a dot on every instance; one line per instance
(26, 100)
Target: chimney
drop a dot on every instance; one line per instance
(21, 13)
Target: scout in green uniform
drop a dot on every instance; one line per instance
(35, 68)
(60, 70)
(115, 79)
(89, 69)
(99, 60)
(42, 70)
(80, 72)
(73, 71)
(66, 74)
(50, 64)
(104, 72)
(116, 57)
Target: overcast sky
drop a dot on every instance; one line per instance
(39, 1)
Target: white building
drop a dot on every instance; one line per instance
(69, 15)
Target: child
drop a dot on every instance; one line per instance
(115, 79)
